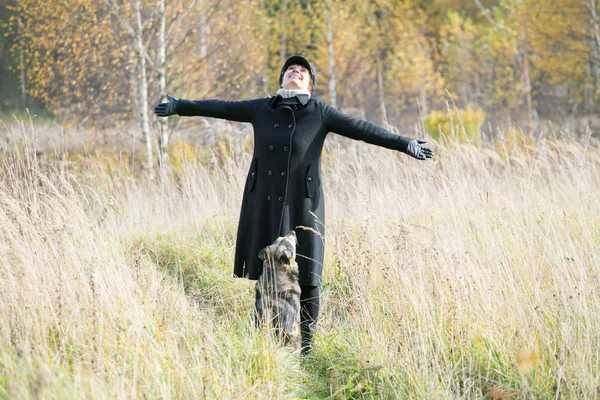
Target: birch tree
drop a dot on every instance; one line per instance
(169, 24)
(134, 35)
(162, 83)
(152, 21)
(143, 100)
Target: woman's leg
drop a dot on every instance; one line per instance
(309, 312)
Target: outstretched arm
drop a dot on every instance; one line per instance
(358, 129)
(241, 111)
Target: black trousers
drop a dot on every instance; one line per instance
(310, 301)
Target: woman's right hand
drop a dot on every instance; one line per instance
(166, 109)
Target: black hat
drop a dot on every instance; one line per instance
(299, 60)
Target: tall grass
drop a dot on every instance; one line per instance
(472, 275)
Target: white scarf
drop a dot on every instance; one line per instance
(287, 93)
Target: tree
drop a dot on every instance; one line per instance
(69, 59)
(412, 72)
(11, 68)
(156, 21)
(560, 38)
(104, 62)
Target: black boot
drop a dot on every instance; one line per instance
(307, 331)
(309, 312)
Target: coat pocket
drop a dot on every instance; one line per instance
(311, 182)
(251, 182)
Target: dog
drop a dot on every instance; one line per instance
(278, 290)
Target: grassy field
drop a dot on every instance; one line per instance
(474, 275)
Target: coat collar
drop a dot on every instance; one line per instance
(297, 100)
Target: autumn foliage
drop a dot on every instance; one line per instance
(521, 61)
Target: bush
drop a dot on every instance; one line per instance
(461, 125)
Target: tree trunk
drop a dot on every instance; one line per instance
(202, 33)
(282, 37)
(591, 5)
(332, 81)
(134, 80)
(143, 89)
(163, 141)
(22, 78)
(423, 97)
(266, 30)
(423, 89)
(266, 73)
(21, 63)
(381, 92)
(529, 99)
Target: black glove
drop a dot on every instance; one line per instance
(415, 150)
(166, 109)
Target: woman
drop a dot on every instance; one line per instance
(283, 189)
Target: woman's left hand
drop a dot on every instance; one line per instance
(417, 151)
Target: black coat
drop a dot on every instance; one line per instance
(283, 189)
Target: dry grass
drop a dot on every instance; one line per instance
(472, 275)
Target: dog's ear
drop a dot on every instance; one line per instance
(264, 253)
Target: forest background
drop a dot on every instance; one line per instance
(103, 64)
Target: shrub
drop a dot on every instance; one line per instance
(461, 125)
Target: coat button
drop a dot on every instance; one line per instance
(271, 147)
(283, 173)
(285, 148)
(253, 174)
(268, 198)
(290, 126)
(309, 179)
(280, 198)
(276, 126)
(270, 173)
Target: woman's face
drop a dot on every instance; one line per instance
(296, 77)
